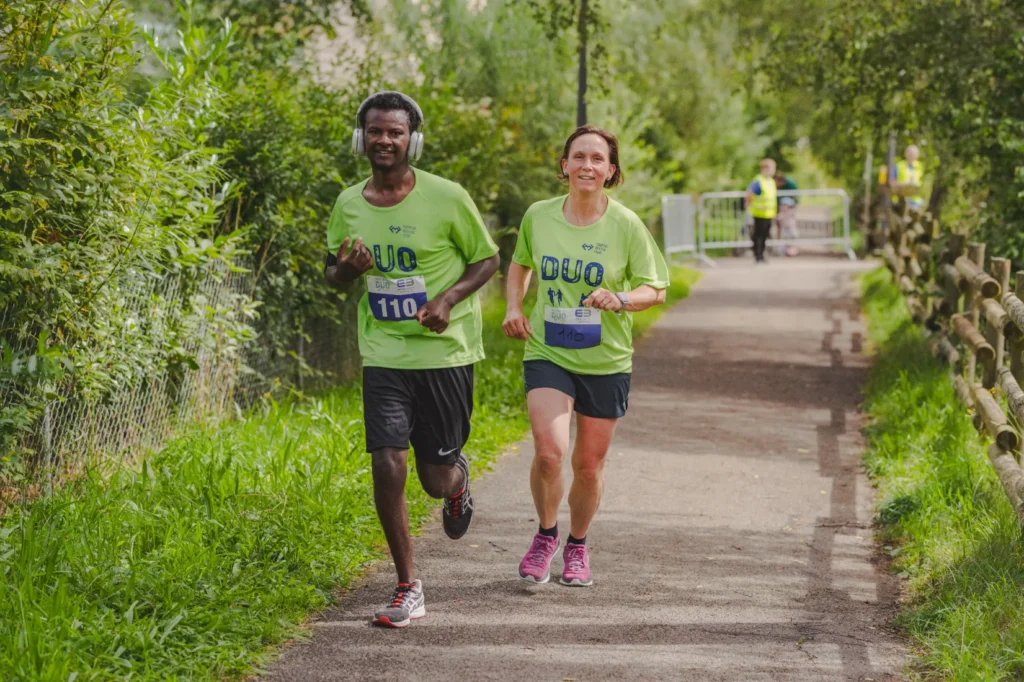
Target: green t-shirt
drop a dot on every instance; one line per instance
(616, 253)
(420, 248)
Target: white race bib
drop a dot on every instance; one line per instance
(394, 300)
(572, 327)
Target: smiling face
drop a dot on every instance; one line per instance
(387, 138)
(587, 165)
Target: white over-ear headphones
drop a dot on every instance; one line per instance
(415, 139)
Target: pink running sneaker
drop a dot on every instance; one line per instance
(536, 565)
(577, 565)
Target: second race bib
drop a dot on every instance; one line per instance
(572, 327)
(394, 300)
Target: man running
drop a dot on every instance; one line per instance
(578, 359)
(423, 247)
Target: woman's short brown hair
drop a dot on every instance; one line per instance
(613, 152)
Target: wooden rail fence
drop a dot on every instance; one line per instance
(975, 323)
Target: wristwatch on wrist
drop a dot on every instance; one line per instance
(624, 298)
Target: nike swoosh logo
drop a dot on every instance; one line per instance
(445, 453)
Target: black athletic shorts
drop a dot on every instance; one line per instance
(429, 408)
(602, 396)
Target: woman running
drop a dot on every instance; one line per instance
(597, 263)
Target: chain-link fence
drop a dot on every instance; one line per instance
(231, 363)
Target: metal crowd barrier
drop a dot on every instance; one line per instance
(819, 217)
(679, 225)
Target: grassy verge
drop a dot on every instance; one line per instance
(219, 545)
(943, 514)
(222, 542)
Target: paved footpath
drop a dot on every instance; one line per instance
(734, 539)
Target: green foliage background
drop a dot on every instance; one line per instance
(147, 140)
(945, 74)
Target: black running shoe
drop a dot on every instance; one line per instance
(457, 512)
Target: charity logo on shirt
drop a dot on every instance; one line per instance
(403, 230)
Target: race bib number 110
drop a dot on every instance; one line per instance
(572, 327)
(394, 300)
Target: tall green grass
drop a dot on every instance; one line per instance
(219, 544)
(942, 511)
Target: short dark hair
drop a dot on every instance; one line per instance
(389, 101)
(613, 152)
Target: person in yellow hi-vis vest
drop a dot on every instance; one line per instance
(762, 204)
(909, 179)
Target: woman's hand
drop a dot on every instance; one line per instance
(602, 299)
(516, 326)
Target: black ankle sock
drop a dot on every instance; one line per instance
(574, 541)
(551, 532)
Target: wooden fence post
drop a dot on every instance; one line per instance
(955, 247)
(1000, 271)
(1017, 340)
(996, 319)
(952, 286)
(976, 253)
(1010, 476)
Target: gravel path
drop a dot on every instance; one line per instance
(734, 539)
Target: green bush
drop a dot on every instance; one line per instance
(109, 186)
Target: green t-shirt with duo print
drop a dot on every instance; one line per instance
(420, 247)
(616, 253)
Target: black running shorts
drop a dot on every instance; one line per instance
(602, 396)
(429, 408)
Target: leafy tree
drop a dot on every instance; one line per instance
(704, 116)
(490, 57)
(946, 74)
(586, 18)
